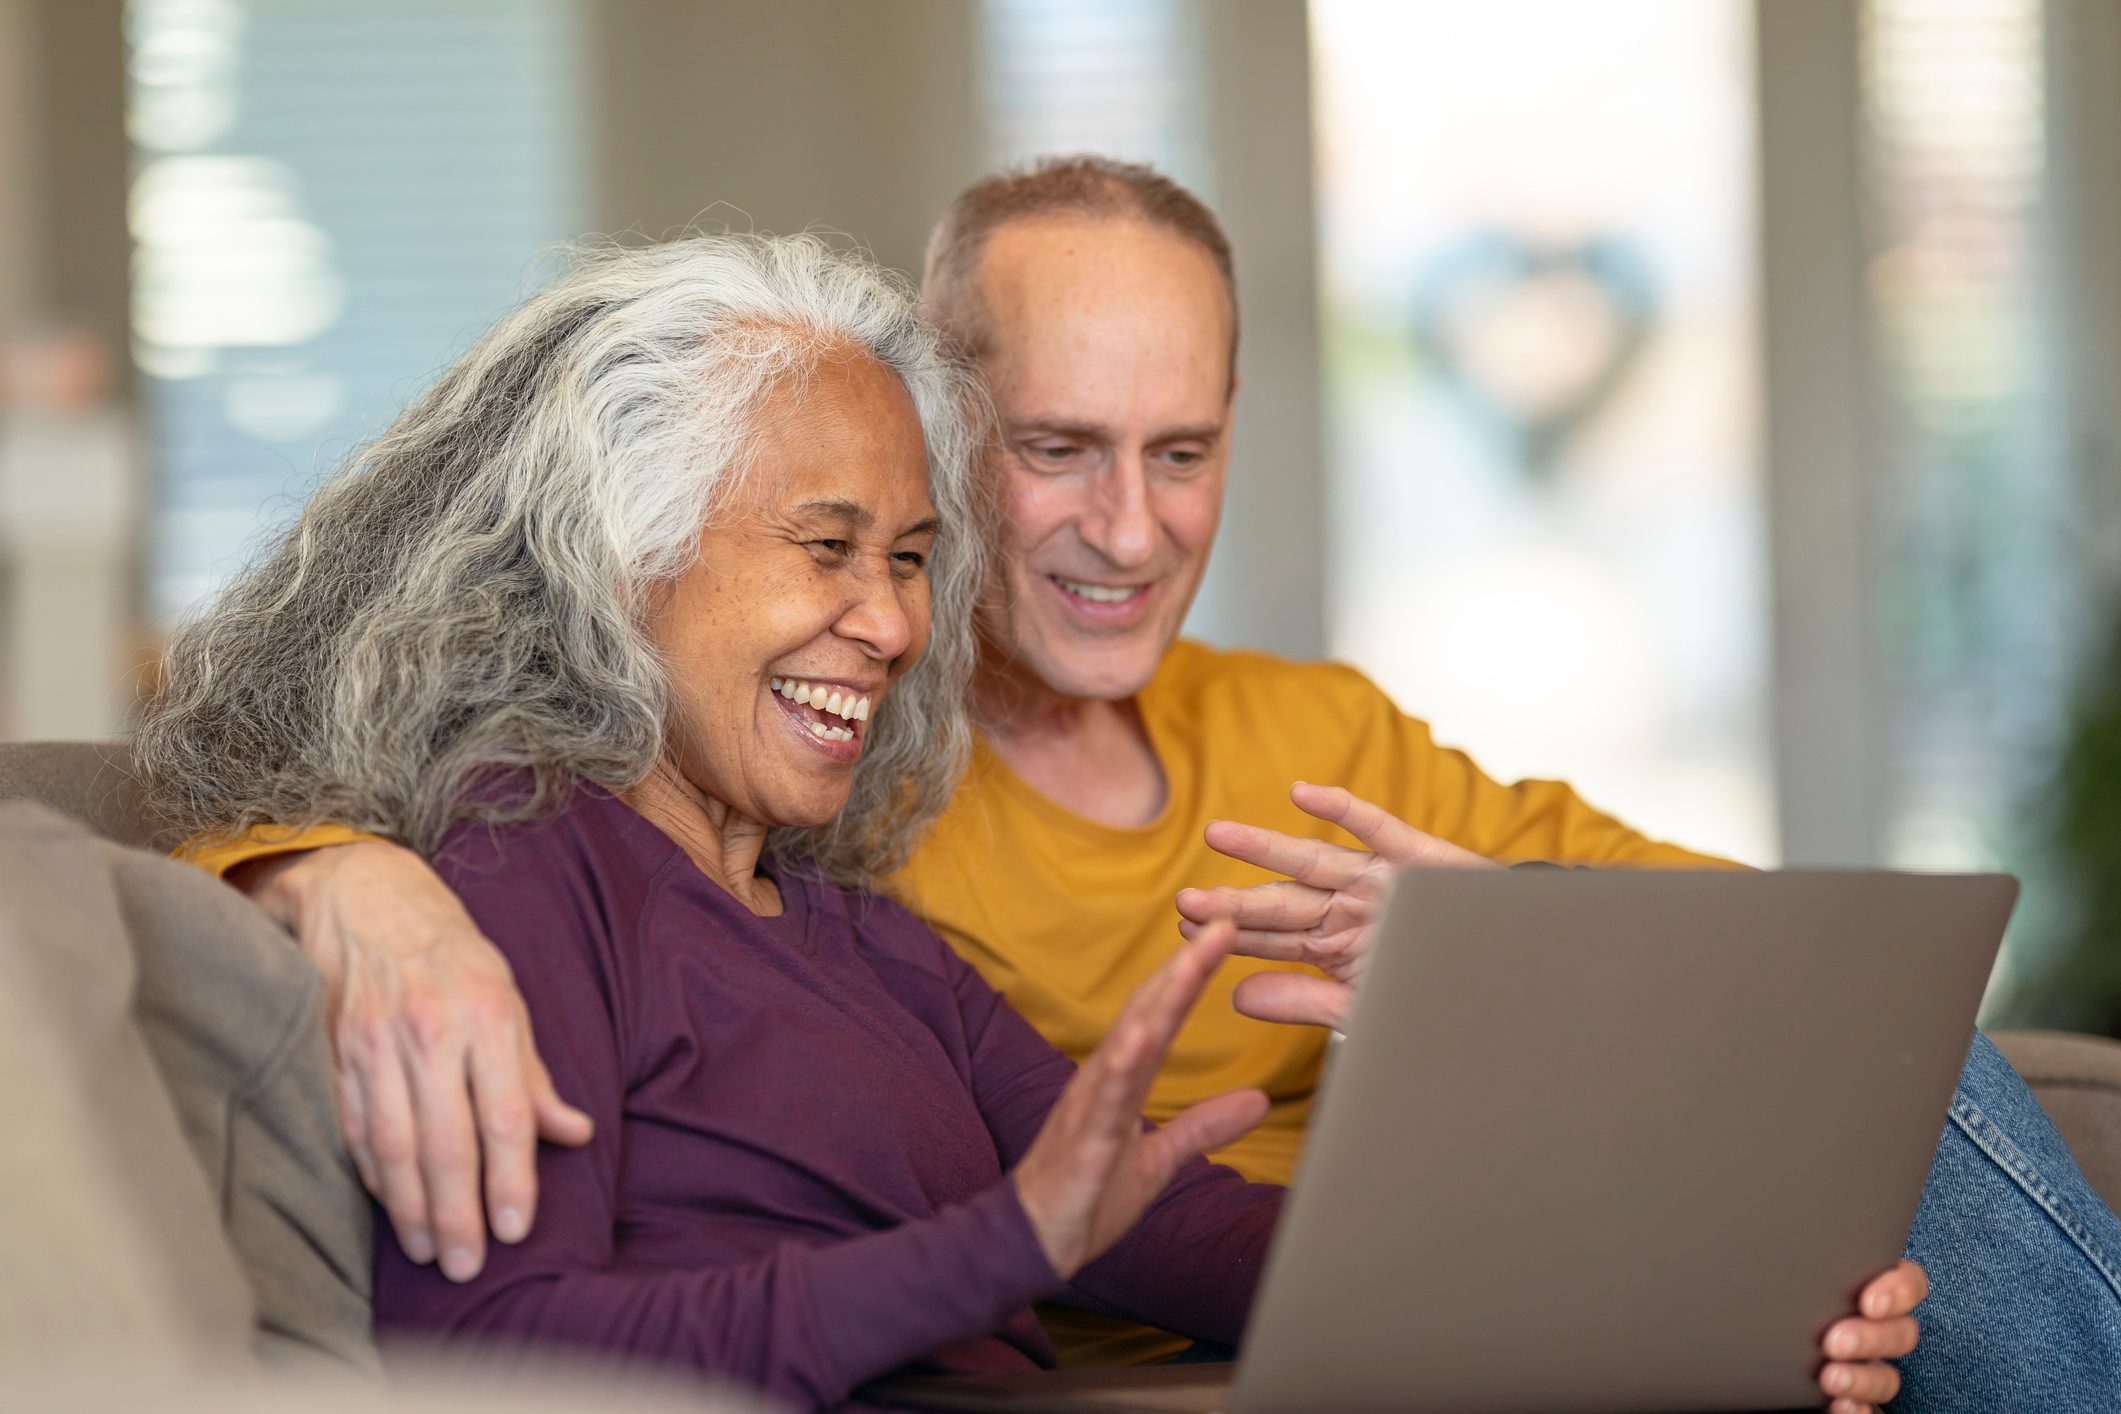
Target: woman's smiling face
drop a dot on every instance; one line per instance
(808, 599)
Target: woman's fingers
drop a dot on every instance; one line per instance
(1294, 998)
(1153, 1015)
(1313, 862)
(1203, 1128)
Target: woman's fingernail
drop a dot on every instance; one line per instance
(508, 1225)
(419, 1246)
(1839, 1380)
(460, 1264)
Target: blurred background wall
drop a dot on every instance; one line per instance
(1712, 402)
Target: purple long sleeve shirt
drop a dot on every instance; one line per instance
(803, 1127)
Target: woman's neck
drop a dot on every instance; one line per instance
(722, 841)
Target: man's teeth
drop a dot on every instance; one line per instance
(844, 705)
(1099, 593)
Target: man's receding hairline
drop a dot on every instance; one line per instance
(1085, 189)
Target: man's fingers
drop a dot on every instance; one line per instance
(1273, 944)
(393, 1139)
(1858, 1338)
(1293, 998)
(1313, 862)
(1894, 1292)
(558, 1121)
(449, 1155)
(1868, 1384)
(508, 1131)
(1380, 831)
(353, 1126)
(1283, 906)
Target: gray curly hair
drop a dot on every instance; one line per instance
(466, 595)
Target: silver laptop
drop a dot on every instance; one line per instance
(1597, 1141)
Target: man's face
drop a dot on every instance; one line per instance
(1109, 357)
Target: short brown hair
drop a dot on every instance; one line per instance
(1082, 185)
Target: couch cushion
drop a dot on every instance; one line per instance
(109, 1230)
(2077, 1080)
(92, 781)
(231, 1015)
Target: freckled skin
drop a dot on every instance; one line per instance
(1122, 328)
(782, 588)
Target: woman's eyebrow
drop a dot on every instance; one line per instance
(852, 513)
(857, 516)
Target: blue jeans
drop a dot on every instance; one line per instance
(2024, 1262)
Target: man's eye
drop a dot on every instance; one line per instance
(1052, 451)
(1184, 458)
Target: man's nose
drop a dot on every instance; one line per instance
(1121, 525)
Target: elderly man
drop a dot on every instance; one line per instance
(1100, 300)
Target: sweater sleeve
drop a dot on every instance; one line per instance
(804, 1323)
(1193, 1261)
(218, 856)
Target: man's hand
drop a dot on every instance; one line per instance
(1321, 913)
(1094, 1169)
(1858, 1376)
(437, 1072)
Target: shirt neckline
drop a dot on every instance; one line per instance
(1176, 767)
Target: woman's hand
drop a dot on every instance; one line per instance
(1321, 913)
(1857, 1376)
(437, 1074)
(1095, 1167)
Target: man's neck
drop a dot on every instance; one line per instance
(724, 844)
(1085, 754)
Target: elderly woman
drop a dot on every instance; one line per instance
(651, 625)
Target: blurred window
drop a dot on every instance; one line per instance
(329, 201)
(1118, 77)
(1546, 529)
(1977, 616)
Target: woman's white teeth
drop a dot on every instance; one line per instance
(1099, 593)
(844, 705)
(819, 729)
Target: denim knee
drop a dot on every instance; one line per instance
(2024, 1263)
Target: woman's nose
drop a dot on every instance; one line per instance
(878, 618)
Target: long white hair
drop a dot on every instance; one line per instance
(466, 595)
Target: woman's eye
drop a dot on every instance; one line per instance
(1052, 452)
(909, 561)
(832, 547)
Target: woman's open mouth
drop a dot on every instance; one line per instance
(831, 717)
